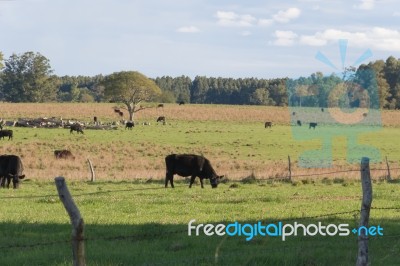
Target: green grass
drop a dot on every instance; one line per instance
(153, 223)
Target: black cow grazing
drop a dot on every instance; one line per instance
(11, 168)
(298, 122)
(76, 127)
(6, 133)
(294, 113)
(181, 103)
(63, 154)
(268, 124)
(129, 125)
(161, 119)
(312, 125)
(160, 105)
(190, 165)
(121, 114)
(322, 109)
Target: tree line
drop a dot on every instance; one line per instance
(28, 77)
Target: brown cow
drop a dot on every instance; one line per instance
(268, 124)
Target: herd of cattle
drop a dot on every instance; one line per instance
(311, 125)
(192, 165)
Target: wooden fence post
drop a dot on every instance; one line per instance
(290, 169)
(388, 178)
(362, 258)
(78, 247)
(93, 178)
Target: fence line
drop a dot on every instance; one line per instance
(280, 178)
(163, 233)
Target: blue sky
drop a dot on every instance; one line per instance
(253, 38)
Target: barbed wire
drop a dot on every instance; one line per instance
(163, 233)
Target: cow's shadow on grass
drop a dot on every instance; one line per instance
(169, 244)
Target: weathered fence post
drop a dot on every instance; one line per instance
(78, 248)
(362, 258)
(93, 178)
(290, 169)
(388, 178)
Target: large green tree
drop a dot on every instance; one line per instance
(130, 88)
(27, 78)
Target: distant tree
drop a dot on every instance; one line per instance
(261, 97)
(130, 88)
(27, 78)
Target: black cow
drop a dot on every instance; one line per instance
(312, 125)
(63, 154)
(298, 122)
(161, 119)
(160, 105)
(6, 133)
(11, 168)
(268, 124)
(181, 103)
(129, 125)
(190, 165)
(76, 127)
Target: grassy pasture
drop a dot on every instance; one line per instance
(125, 202)
(138, 223)
(232, 137)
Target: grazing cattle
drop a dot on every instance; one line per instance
(190, 165)
(312, 125)
(181, 103)
(161, 119)
(268, 124)
(294, 113)
(322, 109)
(298, 122)
(11, 168)
(129, 125)
(119, 112)
(365, 114)
(76, 127)
(160, 105)
(63, 154)
(6, 133)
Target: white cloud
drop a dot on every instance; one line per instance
(366, 4)
(285, 38)
(285, 16)
(265, 22)
(312, 41)
(188, 29)
(396, 14)
(231, 19)
(376, 38)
